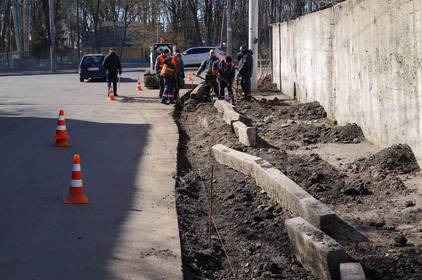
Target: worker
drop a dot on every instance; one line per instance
(159, 63)
(113, 67)
(168, 73)
(210, 65)
(245, 71)
(226, 74)
(180, 73)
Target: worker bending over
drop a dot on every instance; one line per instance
(210, 66)
(226, 75)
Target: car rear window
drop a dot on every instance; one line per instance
(93, 60)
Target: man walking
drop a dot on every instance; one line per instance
(113, 67)
(211, 67)
(159, 64)
(226, 74)
(245, 71)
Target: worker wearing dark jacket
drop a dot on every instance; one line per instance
(159, 64)
(210, 66)
(180, 73)
(226, 74)
(245, 71)
(113, 67)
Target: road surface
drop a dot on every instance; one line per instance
(129, 229)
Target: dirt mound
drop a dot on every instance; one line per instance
(305, 111)
(397, 159)
(350, 133)
(281, 109)
(310, 133)
(266, 85)
(378, 173)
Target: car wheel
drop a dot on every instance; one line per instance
(81, 80)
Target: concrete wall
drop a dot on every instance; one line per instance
(362, 61)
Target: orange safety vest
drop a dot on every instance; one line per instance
(161, 59)
(169, 70)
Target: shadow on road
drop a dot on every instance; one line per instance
(40, 237)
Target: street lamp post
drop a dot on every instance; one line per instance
(229, 28)
(253, 38)
(52, 36)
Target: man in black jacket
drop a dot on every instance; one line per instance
(210, 66)
(113, 67)
(246, 71)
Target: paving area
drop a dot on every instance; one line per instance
(128, 150)
(375, 190)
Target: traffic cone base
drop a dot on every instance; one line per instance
(76, 196)
(139, 86)
(111, 94)
(61, 143)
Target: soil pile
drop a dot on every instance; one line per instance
(350, 133)
(378, 173)
(266, 85)
(305, 133)
(397, 159)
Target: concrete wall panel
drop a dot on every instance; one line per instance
(362, 61)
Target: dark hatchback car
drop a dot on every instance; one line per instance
(91, 67)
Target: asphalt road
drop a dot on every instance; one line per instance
(129, 229)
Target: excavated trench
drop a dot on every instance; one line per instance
(244, 238)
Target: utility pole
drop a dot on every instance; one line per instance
(222, 26)
(253, 38)
(78, 45)
(229, 28)
(52, 36)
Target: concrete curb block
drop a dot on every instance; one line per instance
(279, 187)
(194, 94)
(352, 271)
(229, 114)
(246, 134)
(315, 250)
(185, 95)
(242, 162)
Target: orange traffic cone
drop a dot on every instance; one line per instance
(111, 96)
(76, 193)
(190, 78)
(61, 132)
(139, 86)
